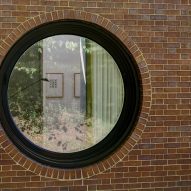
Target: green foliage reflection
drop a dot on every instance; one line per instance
(25, 100)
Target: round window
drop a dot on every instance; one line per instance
(70, 93)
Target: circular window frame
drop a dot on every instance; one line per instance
(132, 99)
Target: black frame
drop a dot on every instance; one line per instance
(132, 98)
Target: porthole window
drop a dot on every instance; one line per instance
(70, 93)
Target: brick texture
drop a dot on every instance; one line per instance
(157, 155)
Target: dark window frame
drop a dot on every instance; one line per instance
(132, 94)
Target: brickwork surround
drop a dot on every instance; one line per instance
(157, 154)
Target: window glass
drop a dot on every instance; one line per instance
(65, 93)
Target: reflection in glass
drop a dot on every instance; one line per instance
(65, 93)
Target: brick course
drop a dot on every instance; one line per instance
(157, 155)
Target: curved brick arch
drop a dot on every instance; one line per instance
(124, 149)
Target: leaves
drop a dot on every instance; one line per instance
(71, 45)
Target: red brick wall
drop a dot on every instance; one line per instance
(157, 156)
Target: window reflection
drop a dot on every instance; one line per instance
(65, 93)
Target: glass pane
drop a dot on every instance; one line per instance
(65, 93)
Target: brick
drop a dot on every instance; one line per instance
(157, 35)
(20, 179)
(35, 184)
